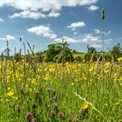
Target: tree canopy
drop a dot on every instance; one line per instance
(59, 52)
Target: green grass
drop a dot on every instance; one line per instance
(46, 90)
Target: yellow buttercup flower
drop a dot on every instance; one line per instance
(119, 59)
(84, 109)
(85, 105)
(10, 93)
(107, 64)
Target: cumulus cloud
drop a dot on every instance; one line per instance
(34, 14)
(86, 38)
(1, 20)
(106, 33)
(75, 25)
(96, 45)
(53, 14)
(8, 38)
(28, 14)
(68, 39)
(50, 8)
(93, 8)
(97, 31)
(93, 39)
(43, 31)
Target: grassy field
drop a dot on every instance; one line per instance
(72, 92)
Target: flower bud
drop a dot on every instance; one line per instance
(37, 93)
(22, 91)
(60, 114)
(29, 115)
(34, 120)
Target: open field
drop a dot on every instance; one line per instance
(49, 92)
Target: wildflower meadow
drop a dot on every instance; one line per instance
(56, 92)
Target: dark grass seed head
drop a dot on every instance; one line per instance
(22, 91)
(34, 105)
(60, 114)
(34, 120)
(29, 115)
(37, 93)
(76, 120)
(52, 114)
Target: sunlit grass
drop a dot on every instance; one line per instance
(45, 92)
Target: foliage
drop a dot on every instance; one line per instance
(91, 55)
(92, 50)
(56, 52)
(78, 58)
(17, 56)
(116, 51)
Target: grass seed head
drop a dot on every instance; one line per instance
(34, 120)
(29, 115)
(60, 114)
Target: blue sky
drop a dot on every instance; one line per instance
(42, 22)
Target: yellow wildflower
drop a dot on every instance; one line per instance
(107, 64)
(10, 93)
(91, 69)
(84, 109)
(85, 105)
(46, 77)
(119, 59)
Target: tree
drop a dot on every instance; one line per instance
(7, 51)
(91, 55)
(59, 52)
(116, 51)
(17, 57)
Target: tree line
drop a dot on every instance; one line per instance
(61, 53)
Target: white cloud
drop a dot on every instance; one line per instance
(53, 14)
(93, 8)
(75, 33)
(42, 6)
(45, 5)
(8, 38)
(28, 14)
(86, 38)
(96, 45)
(75, 25)
(68, 39)
(89, 38)
(1, 20)
(34, 14)
(97, 31)
(93, 39)
(108, 33)
(43, 31)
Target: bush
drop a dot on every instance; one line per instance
(78, 58)
(56, 52)
(116, 51)
(17, 56)
(90, 56)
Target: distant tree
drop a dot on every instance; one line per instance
(78, 59)
(91, 55)
(59, 52)
(17, 57)
(116, 51)
(74, 51)
(92, 50)
(52, 51)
